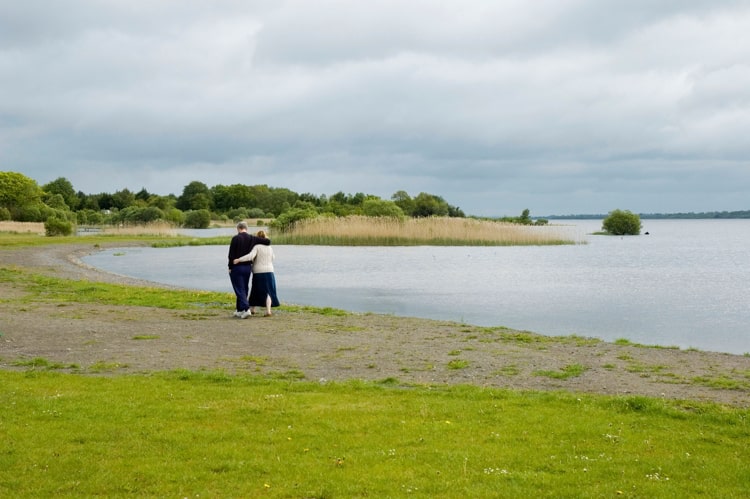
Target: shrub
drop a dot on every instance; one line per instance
(139, 215)
(622, 223)
(58, 226)
(174, 216)
(29, 213)
(255, 213)
(237, 214)
(288, 218)
(198, 219)
(90, 217)
(381, 208)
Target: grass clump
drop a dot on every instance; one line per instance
(209, 434)
(40, 363)
(509, 370)
(458, 364)
(327, 311)
(569, 371)
(722, 382)
(627, 342)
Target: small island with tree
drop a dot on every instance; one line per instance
(622, 223)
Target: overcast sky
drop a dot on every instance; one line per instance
(558, 106)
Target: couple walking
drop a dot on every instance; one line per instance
(252, 255)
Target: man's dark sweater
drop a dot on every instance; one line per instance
(242, 244)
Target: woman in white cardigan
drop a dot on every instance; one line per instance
(263, 288)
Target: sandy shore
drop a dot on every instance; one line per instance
(106, 340)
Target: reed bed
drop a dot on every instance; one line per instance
(22, 227)
(435, 231)
(149, 229)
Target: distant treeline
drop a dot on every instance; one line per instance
(23, 200)
(656, 216)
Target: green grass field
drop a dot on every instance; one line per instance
(189, 434)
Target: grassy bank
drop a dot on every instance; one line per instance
(187, 434)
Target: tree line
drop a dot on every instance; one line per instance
(59, 205)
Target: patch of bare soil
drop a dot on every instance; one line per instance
(98, 339)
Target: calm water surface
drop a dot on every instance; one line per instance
(685, 284)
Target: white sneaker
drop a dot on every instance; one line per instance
(244, 315)
(236, 313)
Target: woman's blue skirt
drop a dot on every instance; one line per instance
(263, 285)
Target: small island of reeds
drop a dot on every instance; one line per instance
(429, 231)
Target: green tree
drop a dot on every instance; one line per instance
(260, 197)
(195, 196)
(90, 217)
(339, 209)
(381, 208)
(87, 201)
(404, 201)
(455, 211)
(139, 215)
(237, 214)
(232, 197)
(622, 222)
(21, 196)
(357, 199)
(525, 218)
(256, 213)
(281, 199)
(122, 199)
(429, 205)
(105, 201)
(64, 188)
(56, 201)
(143, 194)
(318, 201)
(164, 203)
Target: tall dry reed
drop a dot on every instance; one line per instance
(149, 229)
(22, 227)
(361, 230)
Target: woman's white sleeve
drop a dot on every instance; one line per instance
(249, 257)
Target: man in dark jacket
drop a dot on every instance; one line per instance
(239, 274)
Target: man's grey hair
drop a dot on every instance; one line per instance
(242, 225)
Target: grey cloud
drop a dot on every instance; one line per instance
(568, 106)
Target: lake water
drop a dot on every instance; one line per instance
(685, 284)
